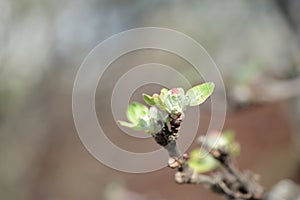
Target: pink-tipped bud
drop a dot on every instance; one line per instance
(174, 91)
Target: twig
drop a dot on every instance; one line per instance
(239, 186)
(230, 182)
(177, 160)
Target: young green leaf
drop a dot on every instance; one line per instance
(202, 164)
(129, 125)
(173, 100)
(156, 120)
(143, 124)
(235, 149)
(168, 102)
(126, 124)
(158, 102)
(200, 93)
(228, 136)
(225, 140)
(142, 119)
(163, 92)
(148, 99)
(135, 111)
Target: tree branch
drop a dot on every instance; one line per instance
(241, 185)
(229, 182)
(177, 160)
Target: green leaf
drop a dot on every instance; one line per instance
(135, 111)
(143, 119)
(200, 93)
(235, 149)
(173, 100)
(163, 92)
(155, 122)
(158, 102)
(180, 95)
(216, 140)
(126, 124)
(130, 125)
(204, 164)
(155, 114)
(148, 99)
(143, 124)
(226, 140)
(228, 136)
(168, 102)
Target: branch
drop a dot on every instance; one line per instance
(241, 185)
(167, 138)
(230, 182)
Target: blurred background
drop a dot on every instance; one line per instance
(256, 45)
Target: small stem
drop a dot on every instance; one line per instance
(173, 150)
(230, 183)
(239, 176)
(185, 174)
(225, 159)
(190, 176)
(248, 189)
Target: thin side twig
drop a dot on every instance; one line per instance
(230, 182)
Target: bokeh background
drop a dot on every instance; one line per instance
(256, 45)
